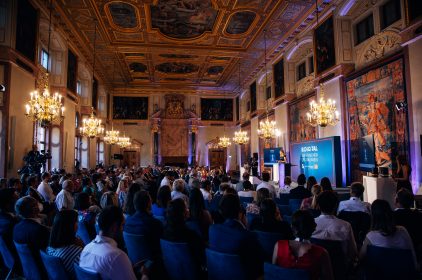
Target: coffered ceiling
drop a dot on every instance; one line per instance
(181, 44)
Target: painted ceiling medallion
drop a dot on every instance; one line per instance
(240, 22)
(183, 19)
(123, 15)
(215, 70)
(177, 68)
(137, 67)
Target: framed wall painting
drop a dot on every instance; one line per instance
(252, 91)
(130, 108)
(278, 70)
(373, 106)
(217, 109)
(299, 128)
(324, 47)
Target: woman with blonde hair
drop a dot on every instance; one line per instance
(121, 192)
(310, 202)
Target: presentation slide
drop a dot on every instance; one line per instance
(271, 155)
(319, 158)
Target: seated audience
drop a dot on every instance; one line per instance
(55, 185)
(129, 208)
(102, 255)
(232, 237)
(163, 198)
(310, 182)
(143, 223)
(198, 213)
(64, 199)
(329, 227)
(178, 191)
(247, 190)
(167, 180)
(265, 184)
(300, 253)
(326, 184)
(384, 232)
(86, 212)
(206, 190)
(63, 242)
(287, 186)
(300, 192)
(15, 183)
(310, 202)
(254, 207)
(355, 204)
(410, 219)
(270, 220)
(245, 178)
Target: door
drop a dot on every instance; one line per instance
(217, 158)
(130, 159)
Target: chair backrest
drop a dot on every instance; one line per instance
(178, 261)
(82, 274)
(30, 268)
(283, 199)
(195, 226)
(250, 217)
(337, 256)
(162, 219)
(360, 222)
(54, 266)
(83, 233)
(267, 240)
(294, 204)
(8, 259)
(284, 209)
(245, 199)
(137, 246)
(275, 272)
(389, 263)
(223, 266)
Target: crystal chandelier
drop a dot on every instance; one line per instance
(91, 127)
(224, 142)
(112, 136)
(240, 137)
(323, 113)
(45, 108)
(124, 142)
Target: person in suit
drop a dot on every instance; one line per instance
(300, 192)
(411, 219)
(232, 237)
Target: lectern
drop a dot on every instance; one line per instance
(284, 169)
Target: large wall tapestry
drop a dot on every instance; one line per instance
(372, 98)
(130, 108)
(325, 51)
(300, 130)
(216, 109)
(26, 29)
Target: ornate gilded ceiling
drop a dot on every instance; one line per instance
(181, 44)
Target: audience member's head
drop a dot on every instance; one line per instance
(382, 217)
(268, 210)
(326, 184)
(196, 184)
(310, 182)
(129, 207)
(225, 179)
(328, 202)
(303, 224)
(163, 196)
(301, 180)
(176, 213)
(14, 183)
(404, 184)
(405, 199)
(287, 180)
(68, 185)
(32, 181)
(223, 187)
(245, 176)
(45, 176)
(82, 201)
(110, 221)
(196, 204)
(230, 190)
(230, 206)
(357, 189)
(142, 202)
(265, 176)
(262, 194)
(206, 185)
(27, 207)
(64, 229)
(316, 190)
(55, 178)
(247, 186)
(179, 185)
(109, 199)
(8, 198)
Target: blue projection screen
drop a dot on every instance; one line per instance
(319, 158)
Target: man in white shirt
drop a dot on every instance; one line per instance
(329, 227)
(287, 186)
(205, 190)
(166, 180)
(64, 199)
(102, 255)
(44, 188)
(265, 184)
(354, 204)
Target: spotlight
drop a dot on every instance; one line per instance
(2, 88)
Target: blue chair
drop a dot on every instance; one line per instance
(267, 240)
(343, 196)
(245, 199)
(223, 266)
(284, 209)
(54, 266)
(8, 259)
(30, 268)
(250, 217)
(82, 274)
(83, 233)
(275, 272)
(194, 225)
(288, 219)
(283, 199)
(162, 219)
(178, 261)
(137, 246)
(388, 263)
(294, 204)
(337, 256)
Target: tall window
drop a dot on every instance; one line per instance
(78, 87)
(301, 71)
(268, 93)
(84, 146)
(44, 58)
(390, 13)
(55, 147)
(311, 64)
(100, 152)
(364, 29)
(71, 70)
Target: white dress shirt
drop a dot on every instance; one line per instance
(268, 186)
(176, 195)
(354, 204)
(45, 190)
(206, 194)
(64, 200)
(329, 227)
(103, 256)
(165, 182)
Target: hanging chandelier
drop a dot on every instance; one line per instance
(112, 136)
(124, 142)
(323, 113)
(240, 137)
(91, 127)
(224, 142)
(43, 107)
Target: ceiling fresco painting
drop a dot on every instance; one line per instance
(215, 70)
(123, 14)
(181, 56)
(177, 68)
(183, 19)
(240, 22)
(138, 67)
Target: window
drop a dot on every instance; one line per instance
(71, 70)
(78, 87)
(268, 93)
(252, 89)
(311, 64)
(390, 13)
(301, 71)
(364, 29)
(55, 147)
(100, 152)
(44, 58)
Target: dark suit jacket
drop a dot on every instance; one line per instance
(300, 192)
(231, 237)
(412, 221)
(148, 226)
